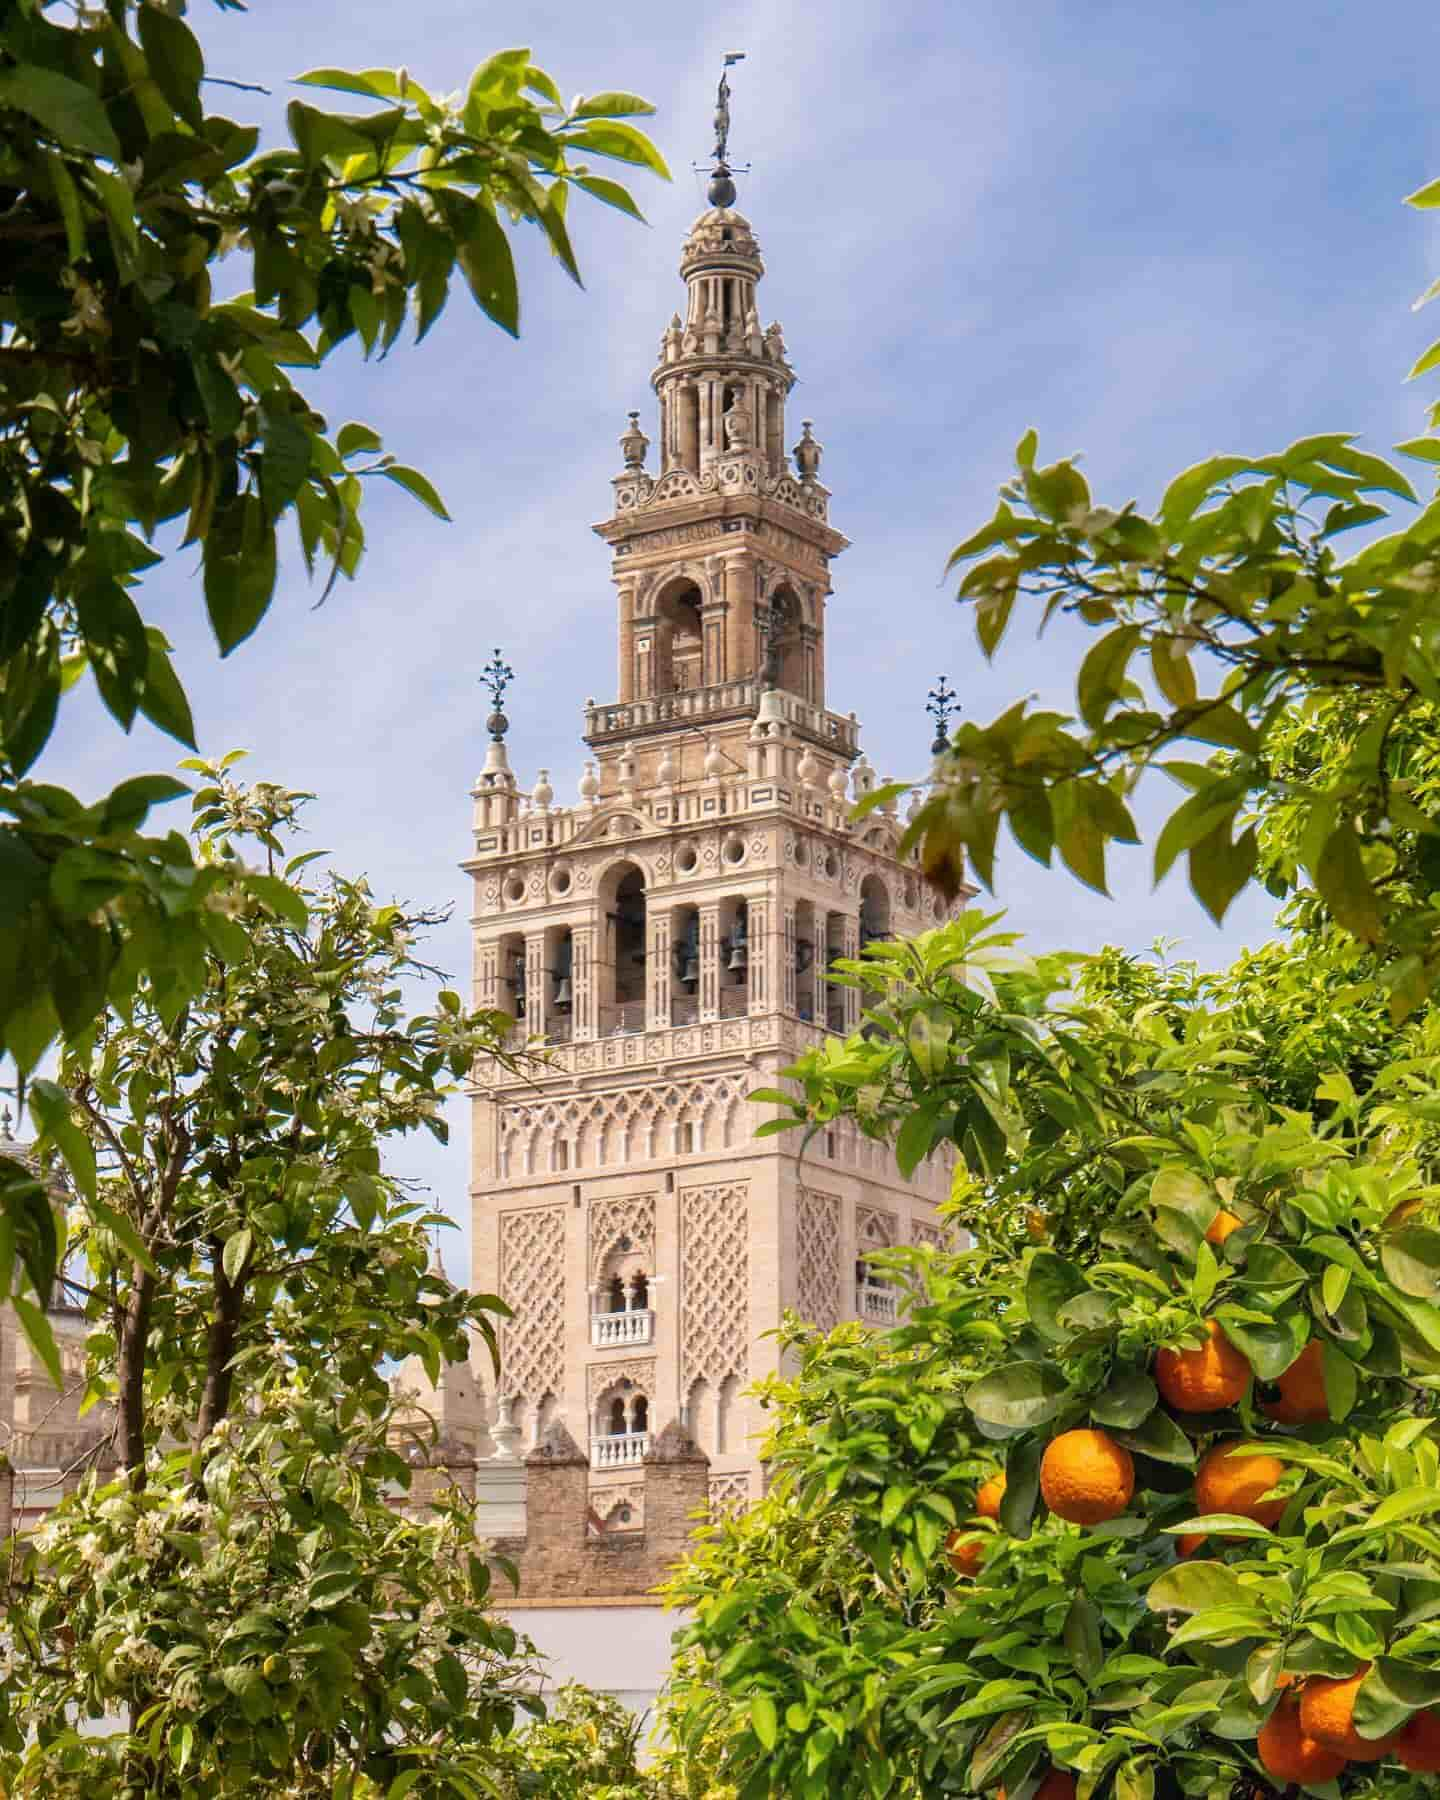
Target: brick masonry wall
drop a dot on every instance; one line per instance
(559, 1557)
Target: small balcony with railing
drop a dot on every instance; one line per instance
(620, 1429)
(876, 1302)
(622, 1316)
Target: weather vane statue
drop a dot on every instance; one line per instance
(722, 187)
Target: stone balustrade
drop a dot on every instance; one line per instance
(620, 1451)
(876, 1303)
(610, 1330)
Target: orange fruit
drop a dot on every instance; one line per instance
(1189, 1543)
(1057, 1785)
(966, 1551)
(987, 1501)
(1205, 1380)
(1226, 1483)
(1327, 1714)
(1221, 1226)
(1419, 1744)
(1302, 1389)
(1037, 1224)
(1289, 1753)
(1086, 1477)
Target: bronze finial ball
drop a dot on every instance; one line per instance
(722, 188)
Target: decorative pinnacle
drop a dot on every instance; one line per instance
(497, 676)
(942, 705)
(722, 187)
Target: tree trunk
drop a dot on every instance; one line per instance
(134, 1338)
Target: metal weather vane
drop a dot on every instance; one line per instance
(497, 676)
(942, 704)
(722, 186)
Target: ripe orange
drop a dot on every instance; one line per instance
(1287, 1751)
(1204, 1380)
(1057, 1785)
(987, 1501)
(1086, 1477)
(1419, 1745)
(966, 1551)
(1221, 1226)
(1226, 1483)
(1302, 1389)
(1189, 1543)
(1327, 1714)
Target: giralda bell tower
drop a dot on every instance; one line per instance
(668, 938)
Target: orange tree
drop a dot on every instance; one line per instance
(1196, 1330)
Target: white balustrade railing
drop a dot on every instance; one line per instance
(610, 1329)
(620, 1450)
(876, 1305)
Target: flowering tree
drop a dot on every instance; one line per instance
(131, 398)
(242, 1590)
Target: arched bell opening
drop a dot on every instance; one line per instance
(622, 967)
(678, 639)
(510, 969)
(835, 993)
(786, 652)
(805, 948)
(734, 956)
(874, 911)
(685, 965)
(560, 973)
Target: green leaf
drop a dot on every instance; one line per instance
(175, 61)
(36, 1327)
(65, 109)
(1127, 1402)
(1050, 1283)
(1102, 674)
(237, 1250)
(1269, 1349)
(1426, 196)
(67, 196)
(1158, 1436)
(162, 699)
(1342, 1383)
(1411, 1258)
(1081, 1637)
(1020, 1394)
(239, 570)
(354, 437)
(765, 1719)
(1391, 1692)
(415, 483)
(1345, 887)
(611, 193)
(1194, 1587)
(612, 105)
(489, 268)
(1022, 1486)
(1186, 491)
(622, 143)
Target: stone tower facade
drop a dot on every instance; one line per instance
(668, 939)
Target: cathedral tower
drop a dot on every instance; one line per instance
(668, 938)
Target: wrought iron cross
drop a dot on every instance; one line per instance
(942, 705)
(497, 676)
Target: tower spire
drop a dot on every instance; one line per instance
(721, 191)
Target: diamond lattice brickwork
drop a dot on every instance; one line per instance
(714, 1284)
(817, 1245)
(532, 1284)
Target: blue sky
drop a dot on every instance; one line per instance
(1151, 232)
